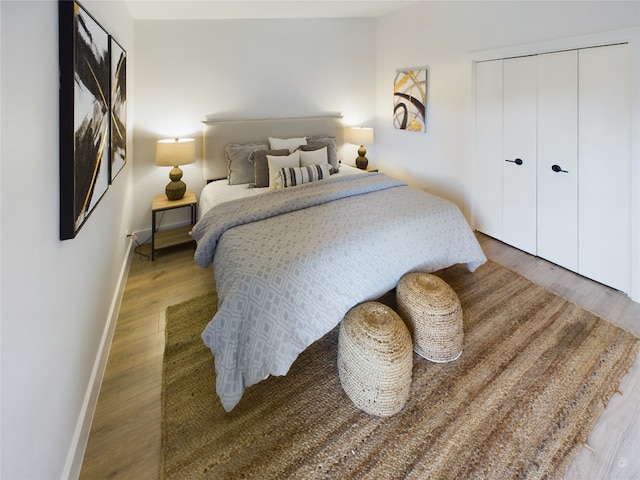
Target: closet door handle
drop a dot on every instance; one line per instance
(558, 169)
(517, 161)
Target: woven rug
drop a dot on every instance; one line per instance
(535, 374)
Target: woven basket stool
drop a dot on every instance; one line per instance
(432, 311)
(375, 359)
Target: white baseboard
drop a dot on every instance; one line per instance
(75, 457)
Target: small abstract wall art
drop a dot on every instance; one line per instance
(410, 99)
(118, 109)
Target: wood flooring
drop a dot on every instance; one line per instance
(126, 438)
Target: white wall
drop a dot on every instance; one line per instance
(444, 36)
(56, 297)
(186, 70)
(441, 35)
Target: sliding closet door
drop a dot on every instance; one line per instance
(488, 149)
(519, 153)
(558, 158)
(604, 178)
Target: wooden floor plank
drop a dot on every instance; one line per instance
(126, 435)
(125, 439)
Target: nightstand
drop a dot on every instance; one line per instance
(368, 169)
(175, 236)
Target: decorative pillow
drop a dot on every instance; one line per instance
(261, 165)
(292, 176)
(313, 155)
(289, 143)
(332, 149)
(276, 163)
(239, 170)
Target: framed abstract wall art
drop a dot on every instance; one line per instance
(118, 109)
(410, 99)
(85, 115)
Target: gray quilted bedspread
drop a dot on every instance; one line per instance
(290, 263)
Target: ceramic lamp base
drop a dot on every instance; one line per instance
(176, 188)
(362, 161)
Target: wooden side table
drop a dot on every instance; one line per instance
(174, 236)
(368, 169)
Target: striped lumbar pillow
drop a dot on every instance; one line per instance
(292, 176)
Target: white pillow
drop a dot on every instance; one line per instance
(289, 143)
(314, 157)
(276, 163)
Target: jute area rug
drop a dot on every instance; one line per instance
(535, 374)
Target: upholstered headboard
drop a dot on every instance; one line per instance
(217, 134)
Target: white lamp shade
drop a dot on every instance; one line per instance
(175, 151)
(361, 136)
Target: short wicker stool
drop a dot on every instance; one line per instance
(375, 359)
(432, 311)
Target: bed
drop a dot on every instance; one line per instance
(291, 258)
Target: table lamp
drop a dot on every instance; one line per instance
(361, 136)
(172, 153)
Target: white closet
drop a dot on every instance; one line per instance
(557, 201)
(552, 158)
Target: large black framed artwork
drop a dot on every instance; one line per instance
(84, 115)
(118, 109)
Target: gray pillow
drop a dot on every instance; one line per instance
(239, 169)
(332, 149)
(261, 166)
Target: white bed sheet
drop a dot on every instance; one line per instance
(220, 191)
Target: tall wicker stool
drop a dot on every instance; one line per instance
(432, 311)
(375, 359)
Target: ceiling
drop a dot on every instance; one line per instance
(244, 9)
